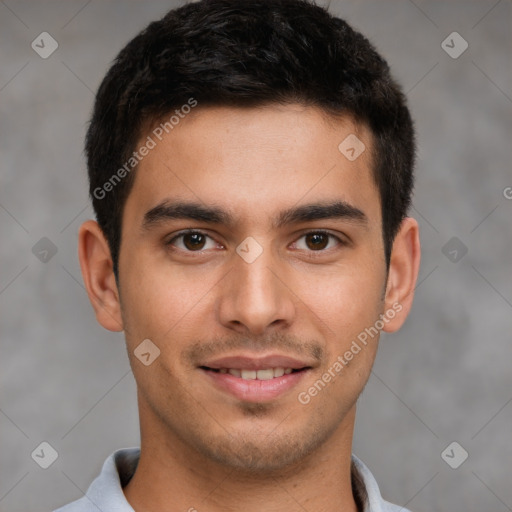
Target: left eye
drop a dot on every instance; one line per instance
(317, 241)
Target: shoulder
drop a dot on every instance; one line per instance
(373, 500)
(106, 491)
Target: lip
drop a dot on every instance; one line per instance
(255, 391)
(257, 363)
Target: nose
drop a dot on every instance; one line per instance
(255, 296)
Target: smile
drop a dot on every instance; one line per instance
(256, 386)
(265, 374)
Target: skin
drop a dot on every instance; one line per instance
(201, 447)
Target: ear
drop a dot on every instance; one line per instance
(403, 273)
(98, 275)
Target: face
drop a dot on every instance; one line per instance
(271, 267)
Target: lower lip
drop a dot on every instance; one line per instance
(255, 390)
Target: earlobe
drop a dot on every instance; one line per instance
(403, 273)
(98, 275)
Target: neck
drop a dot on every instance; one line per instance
(172, 477)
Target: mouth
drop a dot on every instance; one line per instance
(255, 379)
(247, 374)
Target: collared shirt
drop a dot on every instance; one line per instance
(105, 494)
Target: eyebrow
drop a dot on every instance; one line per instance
(170, 210)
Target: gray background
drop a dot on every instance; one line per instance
(446, 376)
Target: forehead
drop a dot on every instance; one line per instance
(253, 162)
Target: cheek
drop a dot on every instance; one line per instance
(164, 302)
(155, 302)
(350, 306)
(345, 299)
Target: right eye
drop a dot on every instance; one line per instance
(190, 241)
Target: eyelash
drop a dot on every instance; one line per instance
(313, 254)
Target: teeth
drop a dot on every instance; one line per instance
(266, 374)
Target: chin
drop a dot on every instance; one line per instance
(263, 453)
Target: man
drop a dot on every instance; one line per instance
(250, 167)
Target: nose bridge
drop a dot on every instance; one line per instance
(255, 279)
(255, 298)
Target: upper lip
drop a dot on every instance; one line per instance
(256, 363)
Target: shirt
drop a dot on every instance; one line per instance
(105, 494)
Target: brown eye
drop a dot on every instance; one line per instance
(193, 241)
(317, 241)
